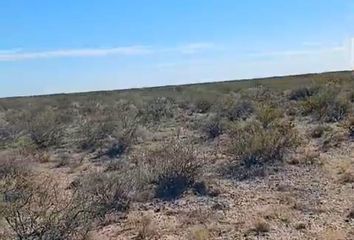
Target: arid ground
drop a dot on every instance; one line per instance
(256, 159)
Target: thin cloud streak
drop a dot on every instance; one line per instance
(18, 55)
(299, 52)
(193, 48)
(89, 52)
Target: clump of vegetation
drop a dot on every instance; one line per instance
(302, 93)
(37, 208)
(253, 144)
(110, 131)
(319, 130)
(46, 128)
(268, 115)
(326, 105)
(105, 192)
(261, 226)
(350, 127)
(203, 105)
(213, 126)
(157, 109)
(233, 108)
(173, 168)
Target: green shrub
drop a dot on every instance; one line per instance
(234, 108)
(44, 127)
(252, 144)
(327, 106)
(157, 110)
(203, 105)
(268, 115)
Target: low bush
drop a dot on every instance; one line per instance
(318, 131)
(203, 105)
(302, 93)
(327, 106)
(254, 145)
(157, 110)
(268, 115)
(350, 127)
(234, 108)
(44, 127)
(110, 131)
(172, 168)
(105, 192)
(213, 126)
(37, 208)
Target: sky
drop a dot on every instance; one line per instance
(84, 45)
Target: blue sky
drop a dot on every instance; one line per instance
(68, 46)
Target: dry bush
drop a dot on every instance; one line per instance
(350, 126)
(260, 226)
(105, 192)
(234, 108)
(319, 130)
(213, 126)
(253, 144)
(302, 93)
(146, 228)
(203, 104)
(268, 115)
(111, 130)
(199, 233)
(333, 139)
(39, 208)
(45, 127)
(7, 133)
(327, 105)
(173, 168)
(157, 109)
(12, 164)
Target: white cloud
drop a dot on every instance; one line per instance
(193, 48)
(89, 52)
(300, 52)
(312, 44)
(18, 54)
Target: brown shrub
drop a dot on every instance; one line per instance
(172, 168)
(203, 105)
(302, 93)
(157, 109)
(253, 144)
(44, 127)
(40, 209)
(111, 131)
(319, 130)
(213, 126)
(105, 192)
(234, 108)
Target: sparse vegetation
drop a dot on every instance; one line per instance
(40, 209)
(173, 168)
(255, 144)
(326, 105)
(186, 162)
